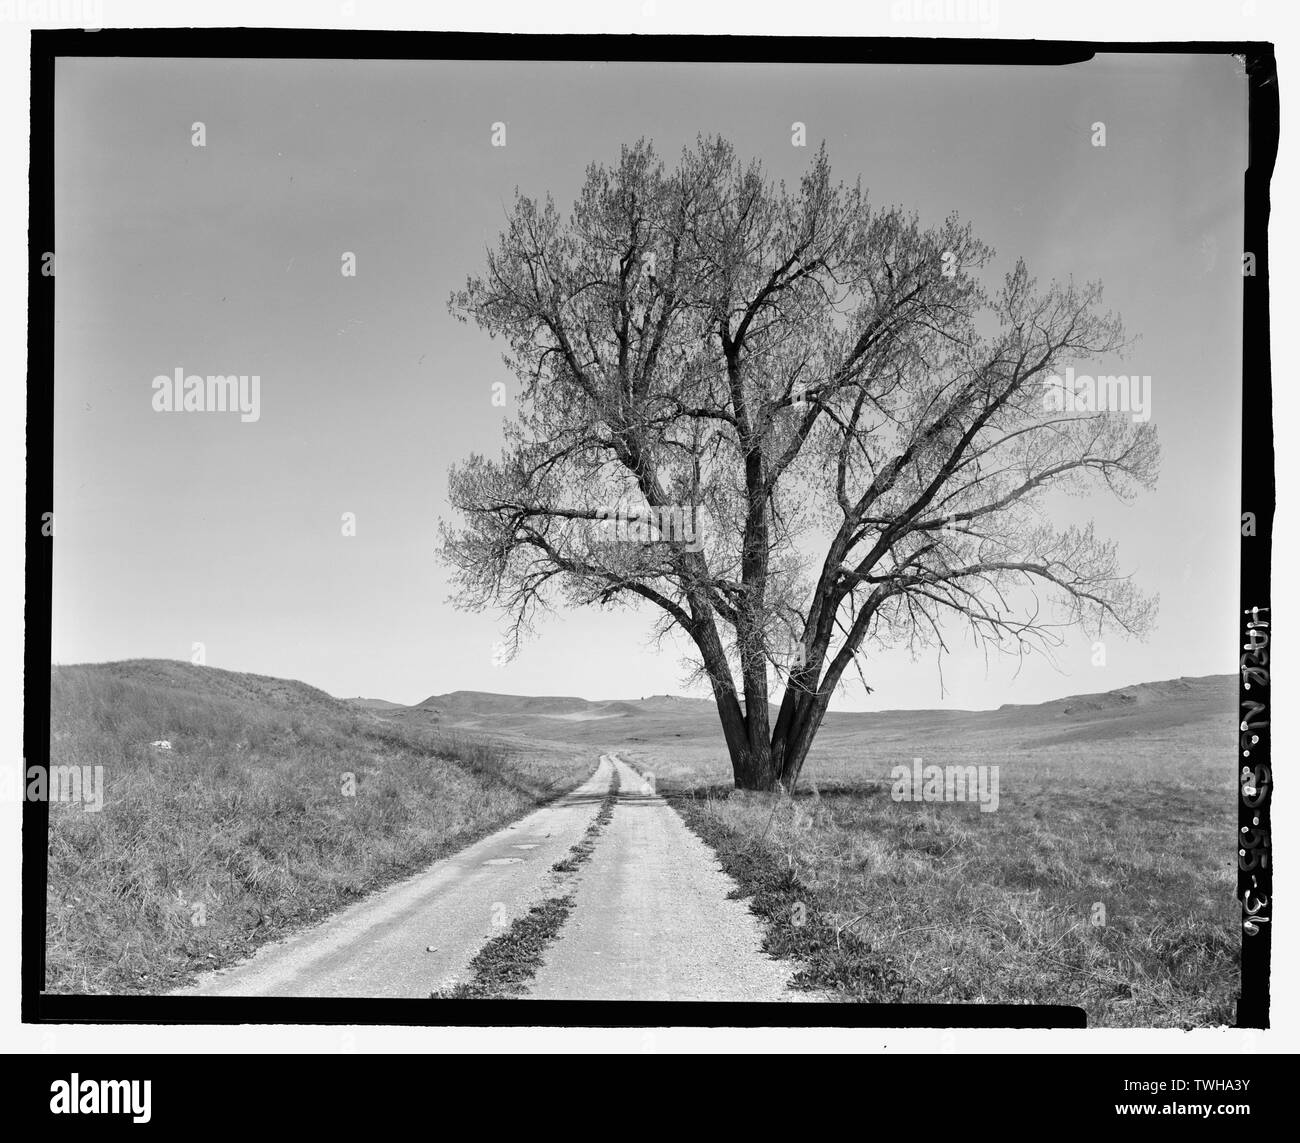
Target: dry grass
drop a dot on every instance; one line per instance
(951, 904)
(243, 831)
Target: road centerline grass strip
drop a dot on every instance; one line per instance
(504, 966)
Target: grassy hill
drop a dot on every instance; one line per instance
(850, 746)
(275, 806)
(375, 704)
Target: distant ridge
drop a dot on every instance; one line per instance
(1185, 688)
(537, 704)
(1143, 709)
(1140, 693)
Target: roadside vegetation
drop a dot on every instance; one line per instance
(1104, 879)
(275, 806)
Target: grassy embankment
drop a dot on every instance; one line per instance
(243, 831)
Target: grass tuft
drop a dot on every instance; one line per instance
(506, 963)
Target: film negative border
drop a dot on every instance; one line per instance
(1252, 771)
(1258, 495)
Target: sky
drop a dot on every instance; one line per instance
(177, 530)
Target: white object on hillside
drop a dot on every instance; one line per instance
(161, 744)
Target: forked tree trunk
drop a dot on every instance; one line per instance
(763, 757)
(760, 763)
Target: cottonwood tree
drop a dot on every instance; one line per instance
(857, 422)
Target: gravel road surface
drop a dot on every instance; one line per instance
(381, 945)
(652, 920)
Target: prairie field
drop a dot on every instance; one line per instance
(245, 830)
(1105, 878)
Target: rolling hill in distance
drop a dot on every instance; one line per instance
(1166, 712)
(1147, 711)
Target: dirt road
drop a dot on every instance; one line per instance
(382, 945)
(651, 918)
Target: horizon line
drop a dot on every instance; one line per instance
(686, 697)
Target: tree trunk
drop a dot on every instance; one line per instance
(752, 763)
(760, 761)
(752, 769)
(800, 737)
(756, 762)
(797, 724)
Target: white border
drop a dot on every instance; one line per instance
(1115, 20)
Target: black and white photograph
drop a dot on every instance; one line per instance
(714, 533)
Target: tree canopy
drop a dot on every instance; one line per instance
(852, 420)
